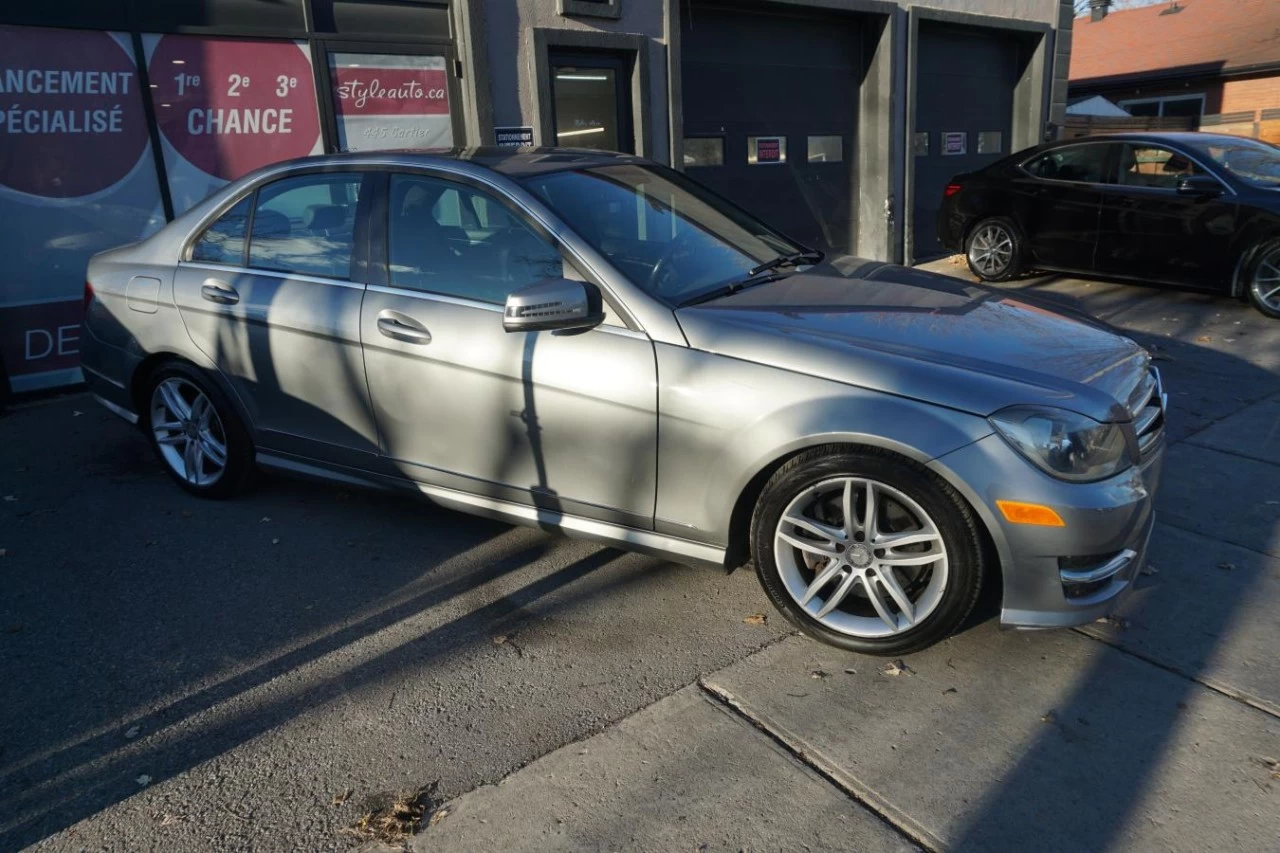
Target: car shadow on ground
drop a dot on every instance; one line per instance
(1077, 783)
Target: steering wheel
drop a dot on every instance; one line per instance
(662, 275)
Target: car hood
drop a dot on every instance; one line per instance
(926, 336)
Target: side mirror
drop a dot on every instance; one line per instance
(1204, 186)
(553, 304)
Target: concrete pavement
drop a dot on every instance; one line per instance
(185, 675)
(1157, 730)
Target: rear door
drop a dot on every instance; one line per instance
(1149, 230)
(279, 313)
(564, 422)
(1057, 203)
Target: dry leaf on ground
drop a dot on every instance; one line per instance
(341, 797)
(394, 817)
(756, 619)
(896, 668)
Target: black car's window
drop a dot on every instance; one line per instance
(223, 241)
(1081, 163)
(306, 225)
(1254, 162)
(667, 234)
(444, 237)
(1152, 166)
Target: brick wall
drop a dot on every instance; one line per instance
(1238, 94)
(1258, 93)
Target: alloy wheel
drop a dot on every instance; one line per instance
(860, 557)
(991, 250)
(1266, 281)
(188, 432)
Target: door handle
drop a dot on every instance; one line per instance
(396, 325)
(219, 291)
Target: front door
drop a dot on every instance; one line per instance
(565, 422)
(1150, 230)
(591, 99)
(279, 314)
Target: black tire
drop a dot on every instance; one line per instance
(1269, 254)
(238, 472)
(1018, 249)
(952, 516)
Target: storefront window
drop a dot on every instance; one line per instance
(228, 106)
(383, 101)
(592, 106)
(77, 177)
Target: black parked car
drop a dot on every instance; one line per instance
(1193, 209)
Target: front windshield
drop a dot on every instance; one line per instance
(670, 236)
(1251, 161)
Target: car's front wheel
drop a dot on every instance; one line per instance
(1263, 283)
(196, 432)
(866, 550)
(994, 249)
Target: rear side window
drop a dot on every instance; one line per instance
(223, 241)
(1081, 163)
(306, 225)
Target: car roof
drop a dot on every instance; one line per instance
(1184, 136)
(510, 161)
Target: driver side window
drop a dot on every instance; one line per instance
(445, 237)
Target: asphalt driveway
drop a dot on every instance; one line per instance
(181, 674)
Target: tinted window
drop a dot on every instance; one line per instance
(306, 225)
(1145, 166)
(1257, 163)
(1084, 163)
(223, 241)
(447, 238)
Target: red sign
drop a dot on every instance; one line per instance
(230, 106)
(768, 149)
(70, 98)
(390, 91)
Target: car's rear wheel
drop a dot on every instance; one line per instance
(196, 433)
(994, 249)
(867, 551)
(1264, 280)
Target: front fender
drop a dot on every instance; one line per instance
(723, 421)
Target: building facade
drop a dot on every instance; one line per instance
(838, 121)
(1213, 63)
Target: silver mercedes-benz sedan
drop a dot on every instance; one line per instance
(596, 344)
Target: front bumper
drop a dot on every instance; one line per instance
(1057, 577)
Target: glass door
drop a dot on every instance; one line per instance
(591, 94)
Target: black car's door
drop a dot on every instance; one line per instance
(1057, 201)
(1150, 230)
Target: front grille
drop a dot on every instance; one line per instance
(1147, 407)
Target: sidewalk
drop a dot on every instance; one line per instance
(1158, 730)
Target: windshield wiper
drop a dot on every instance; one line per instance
(756, 275)
(791, 260)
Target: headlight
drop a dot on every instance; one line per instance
(1064, 444)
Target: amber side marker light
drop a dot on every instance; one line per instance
(1018, 512)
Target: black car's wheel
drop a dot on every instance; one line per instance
(994, 249)
(1263, 279)
(866, 551)
(197, 434)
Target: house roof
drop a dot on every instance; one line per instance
(1202, 36)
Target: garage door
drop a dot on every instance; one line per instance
(770, 105)
(965, 77)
